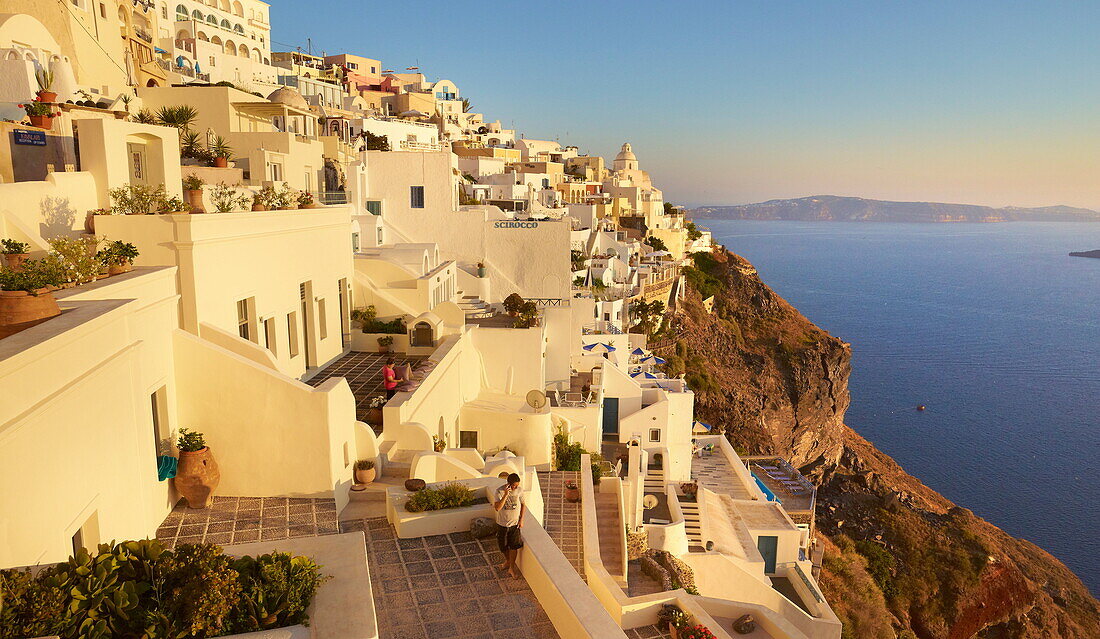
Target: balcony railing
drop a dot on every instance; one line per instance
(418, 146)
(332, 197)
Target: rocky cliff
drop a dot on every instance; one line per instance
(902, 559)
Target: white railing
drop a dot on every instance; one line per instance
(406, 145)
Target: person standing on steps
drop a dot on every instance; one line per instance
(511, 508)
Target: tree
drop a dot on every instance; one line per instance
(466, 106)
(376, 142)
(647, 314)
(693, 232)
(669, 208)
(657, 243)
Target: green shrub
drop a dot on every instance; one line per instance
(364, 464)
(451, 495)
(199, 589)
(190, 441)
(275, 591)
(36, 274)
(30, 606)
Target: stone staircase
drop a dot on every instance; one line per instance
(693, 525)
(654, 481)
(474, 307)
(611, 536)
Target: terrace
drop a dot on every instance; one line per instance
(363, 372)
(780, 482)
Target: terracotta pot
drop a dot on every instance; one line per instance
(89, 223)
(259, 207)
(383, 349)
(194, 198)
(120, 268)
(673, 631)
(121, 115)
(41, 121)
(197, 476)
(364, 476)
(572, 495)
(15, 261)
(177, 212)
(221, 163)
(311, 205)
(20, 310)
(46, 96)
(374, 416)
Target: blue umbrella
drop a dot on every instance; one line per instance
(704, 426)
(159, 50)
(638, 351)
(598, 347)
(653, 359)
(644, 376)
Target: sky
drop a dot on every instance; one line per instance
(994, 103)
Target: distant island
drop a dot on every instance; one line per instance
(1095, 253)
(834, 208)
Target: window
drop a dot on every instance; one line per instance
(355, 242)
(467, 439)
(374, 207)
(102, 11)
(242, 320)
(269, 334)
(322, 318)
(380, 242)
(416, 197)
(87, 536)
(164, 11)
(654, 434)
(276, 172)
(345, 325)
(292, 333)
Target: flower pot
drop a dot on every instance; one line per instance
(311, 205)
(364, 476)
(46, 96)
(194, 198)
(89, 223)
(259, 207)
(21, 310)
(41, 121)
(481, 271)
(374, 416)
(221, 163)
(197, 476)
(673, 631)
(383, 349)
(177, 212)
(120, 268)
(14, 261)
(572, 495)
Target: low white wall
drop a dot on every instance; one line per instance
(435, 467)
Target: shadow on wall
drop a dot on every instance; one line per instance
(58, 217)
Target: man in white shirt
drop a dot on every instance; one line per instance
(510, 507)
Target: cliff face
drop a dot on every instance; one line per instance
(778, 384)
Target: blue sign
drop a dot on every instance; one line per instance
(32, 138)
(516, 225)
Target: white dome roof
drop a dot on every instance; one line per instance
(626, 153)
(289, 97)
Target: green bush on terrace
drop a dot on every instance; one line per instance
(452, 495)
(140, 590)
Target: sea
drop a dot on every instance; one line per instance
(993, 328)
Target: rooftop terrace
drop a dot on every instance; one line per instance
(364, 374)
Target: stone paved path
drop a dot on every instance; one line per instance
(563, 519)
(239, 520)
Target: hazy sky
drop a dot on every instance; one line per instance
(731, 102)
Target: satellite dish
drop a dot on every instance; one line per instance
(536, 400)
(649, 501)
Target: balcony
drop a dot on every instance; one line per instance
(406, 145)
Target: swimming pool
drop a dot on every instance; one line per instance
(767, 491)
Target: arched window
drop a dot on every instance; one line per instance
(243, 51)
(238, 9)
(238, 28)
(230, 47)
(422, 334)
(202, 36)
(181, 12)
(216, 40)
(226, 25)
(196, 14)
(212, 19)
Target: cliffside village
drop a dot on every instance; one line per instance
(275, 301)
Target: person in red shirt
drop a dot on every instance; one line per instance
(389, 378)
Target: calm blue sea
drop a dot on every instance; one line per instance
(992, 327)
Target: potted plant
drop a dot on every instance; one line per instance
(15, 253)
(305, 201)
(226, 198)
(118, 256)
(572, 492)
(364, 471)
(89, 219)
(384, 343)
(673, 617)
(374, 410)
(690, 490)
(513, 304)
(44, 77)
(26, 295)
(40, 114)
(439, 444)
(221, 151)
(698, 631)
(197, 475)
(175, 205)
(192, 190)
(76, 258)
(258, 202)
(481, 269)
(137, 199)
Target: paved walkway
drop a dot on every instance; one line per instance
(563, 519)
(714, 472)
(446, 586)
(364, 374)
(238, 520)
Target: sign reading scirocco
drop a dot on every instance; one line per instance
(515, 225)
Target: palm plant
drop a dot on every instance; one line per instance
(219, 148)
(44, 78)
(180, 116)
(145, 116)
(466, 106)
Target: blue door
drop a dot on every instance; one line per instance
(767, 546)
(611, 418)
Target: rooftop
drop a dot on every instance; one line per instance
(363, 371)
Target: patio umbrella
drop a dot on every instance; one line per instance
(412, 114)
(638, 351)
(598, 347)
(700, 427)
(653, 359)
(658, 254)
(644, 376)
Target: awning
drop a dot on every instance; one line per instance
(700, 427)
(598, 347)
